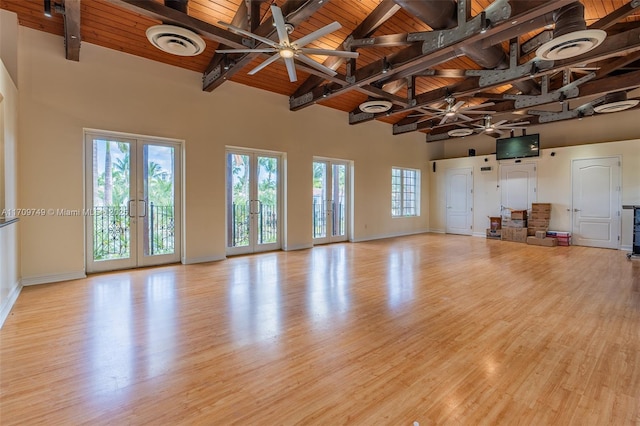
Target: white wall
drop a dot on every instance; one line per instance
(553, 184)
(118, 92)
(9, 235)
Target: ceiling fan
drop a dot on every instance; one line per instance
(454, 110)
(492, 129)
(287, 49)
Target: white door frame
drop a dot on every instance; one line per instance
(468, 226)
(532, 188)
(137, 206)
(616, 219)
(329, 237)
(253, 246)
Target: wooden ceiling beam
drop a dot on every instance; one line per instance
(589, 89)
(616, 16)
(168, 15)
(613, 46)
(72, 37)
(294, 11)
(432, 51)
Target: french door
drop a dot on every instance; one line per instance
(330, 201)
(253, 201)
(132, 202)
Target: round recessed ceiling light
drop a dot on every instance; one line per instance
(176, 40)
(616, 106)
(459, 133)
(376, 106)
(569, 45)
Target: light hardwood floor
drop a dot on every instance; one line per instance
(431, 328)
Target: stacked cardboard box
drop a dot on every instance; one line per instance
(546, 242)
(539, 218)
(515, 229)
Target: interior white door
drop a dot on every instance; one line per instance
(596, 202)
(459, 193)
(518, 187)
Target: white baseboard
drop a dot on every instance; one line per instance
(205, 259)
(383, 236)
(298, 247)
(8, 304)
(46, 279)
(437, 231)
(626, 248)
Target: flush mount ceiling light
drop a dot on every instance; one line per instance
(176, 40)
(459, 133)
(570, 45)
(376, 106)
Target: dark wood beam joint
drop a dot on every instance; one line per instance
(72, 38)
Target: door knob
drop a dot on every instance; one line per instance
(576, 210)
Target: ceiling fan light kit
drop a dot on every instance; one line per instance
(176, 40)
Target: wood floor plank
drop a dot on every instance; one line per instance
(437, 329)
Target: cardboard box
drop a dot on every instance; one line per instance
(495, 234)
(518, 215)
(546, 242)
(540, 207)
(538, 223)
(495, 222)
(518, 235)
(514, 224)
(541, 234)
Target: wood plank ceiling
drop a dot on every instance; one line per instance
(401, 58)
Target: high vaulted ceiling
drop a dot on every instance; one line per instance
(414, 53)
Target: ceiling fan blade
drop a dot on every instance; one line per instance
(291, 69)
(444, 120)
(248, 34)
(301, 42)
(479, 106)
(499, 123)
(267, 50)
(269, 61)
(464, 117)
(457, 106)
(316, 65)
(519, 123)
(466, 111)
(278, 19)
(327, 52)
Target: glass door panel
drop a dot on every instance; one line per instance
(319, 199)
(267, 200)
(339, 175)
(238, 206)
(158, 204)
(110, 204)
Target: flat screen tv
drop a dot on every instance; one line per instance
(518, 147)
